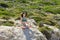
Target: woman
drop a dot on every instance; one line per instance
(24, 19)
(28, 32)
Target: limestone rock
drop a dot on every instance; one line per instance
(17, 33)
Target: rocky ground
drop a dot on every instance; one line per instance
(45, 12)
(16, 33)
(55, 33)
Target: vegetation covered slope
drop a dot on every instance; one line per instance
(45, 11)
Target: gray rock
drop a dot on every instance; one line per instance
(15, 33)
(55, 34)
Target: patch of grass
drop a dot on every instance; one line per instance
(8, 23)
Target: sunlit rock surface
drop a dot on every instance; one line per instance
(16, 33)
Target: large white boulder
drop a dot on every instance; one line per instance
(17, 33)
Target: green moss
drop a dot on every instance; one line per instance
(8, 23)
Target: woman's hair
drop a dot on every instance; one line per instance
(24, 13)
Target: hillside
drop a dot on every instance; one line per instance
(45, 12)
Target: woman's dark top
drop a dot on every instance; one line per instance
(24, 19)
